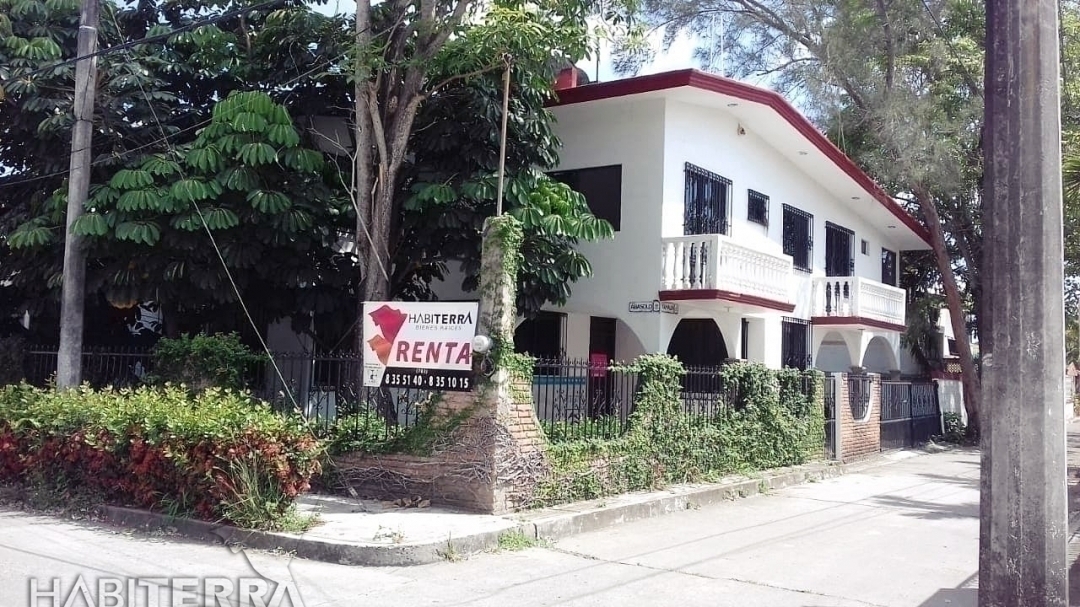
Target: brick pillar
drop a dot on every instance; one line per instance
(504, 400)
(492, 459)
(859, 437)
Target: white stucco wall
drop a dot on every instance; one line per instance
(951, 397)
(709, 138)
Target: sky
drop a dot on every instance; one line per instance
(678, 57)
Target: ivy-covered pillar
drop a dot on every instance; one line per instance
(504, 397)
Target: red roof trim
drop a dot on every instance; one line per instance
(716, 294)
(772, 99)
(857, 321)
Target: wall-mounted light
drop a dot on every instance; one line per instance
(481, 344)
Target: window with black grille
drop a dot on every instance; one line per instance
(602, 189)
(839, 250)
(795, 344)
(798, 240)
(888, 267)
(757, 207)
(706, 202)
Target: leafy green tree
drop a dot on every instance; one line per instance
(451, 185)
(152, 104)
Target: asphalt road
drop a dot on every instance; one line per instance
(901, 534)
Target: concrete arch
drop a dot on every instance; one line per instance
(698, 342)
(879, 357)
(834, 353)
(628, 344)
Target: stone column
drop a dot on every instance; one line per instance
(1022, 554)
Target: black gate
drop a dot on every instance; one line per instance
(830, 417)
(909, 414)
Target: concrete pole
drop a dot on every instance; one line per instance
(1022, 556)
(73, 293)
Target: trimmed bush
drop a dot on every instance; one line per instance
(773, 419)
(216, 455)
(203, 361)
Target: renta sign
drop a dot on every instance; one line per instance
(419, 344)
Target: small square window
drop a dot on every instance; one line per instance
(865, 248)
(757, 207)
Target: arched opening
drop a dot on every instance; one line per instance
(833, 355)
(879, 356)
(698, 342)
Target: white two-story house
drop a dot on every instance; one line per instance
(741, 232)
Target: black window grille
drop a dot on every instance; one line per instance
(798, 236)
(706, 202)
(888, 267)
(795, 344)
(757, 207)
(839, 250)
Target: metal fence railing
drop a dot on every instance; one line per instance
(573, 399)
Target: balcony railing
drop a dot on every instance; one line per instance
(855, 297)
(716, 262)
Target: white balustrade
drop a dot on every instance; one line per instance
(856, 297)
(716, 262)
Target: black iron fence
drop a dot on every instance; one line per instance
(573, 399)
(326, 388)
(580, 399)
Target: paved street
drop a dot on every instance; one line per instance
(902, 534)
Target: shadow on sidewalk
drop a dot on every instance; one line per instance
(969, 597)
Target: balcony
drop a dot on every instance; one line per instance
(860, 302)
(715, 267)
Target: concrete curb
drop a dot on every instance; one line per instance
(342, 553)
(571, 519)
(549, 524)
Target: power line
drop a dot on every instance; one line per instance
(217, 251)
(167, 136)
(149, 39)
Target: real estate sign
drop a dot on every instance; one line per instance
(419, 345)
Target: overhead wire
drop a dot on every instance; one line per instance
(165, 138)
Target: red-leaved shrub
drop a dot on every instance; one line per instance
(159, 448)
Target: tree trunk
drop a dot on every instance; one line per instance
(970, 379)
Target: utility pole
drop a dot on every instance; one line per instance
(1022, 555)
(73, 294)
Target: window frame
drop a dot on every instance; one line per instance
(793, 211)
(615, 218)
(697, 223)
(761, 218)
(895, 267)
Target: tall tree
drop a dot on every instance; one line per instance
(450, 185)
(153, 102)
(897, 83)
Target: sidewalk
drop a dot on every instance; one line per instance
(373, 533)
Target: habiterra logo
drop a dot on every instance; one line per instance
(389, 321)
(434, 352)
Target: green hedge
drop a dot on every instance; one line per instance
(771, 424)
(216, 455)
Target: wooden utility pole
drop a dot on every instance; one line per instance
(73, 295)
(1022, 556)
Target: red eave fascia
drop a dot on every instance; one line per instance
(746, 92)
